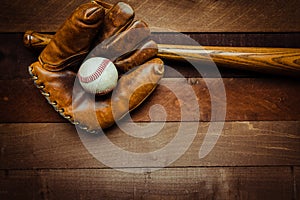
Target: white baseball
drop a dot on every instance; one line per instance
(98, 75)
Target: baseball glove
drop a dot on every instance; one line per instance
(97, 29)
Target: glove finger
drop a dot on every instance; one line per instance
(116, 20)
(138, 84)
(143, 53)
(82, 26)
(132, 89)
(123, 43)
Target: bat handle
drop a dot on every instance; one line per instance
(282, 61)
(35, 40)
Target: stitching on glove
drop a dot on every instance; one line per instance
(47, 95)
(34, 77)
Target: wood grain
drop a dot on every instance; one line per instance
(21, 102)
(182, 183)
(297, 182)
(183, 16)
(14, 57)
(51, 145)
(246, 99)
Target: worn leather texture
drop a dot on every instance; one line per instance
(115, 35)
(66, 48)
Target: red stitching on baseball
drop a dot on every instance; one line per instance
(96, 74)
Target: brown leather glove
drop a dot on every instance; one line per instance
(114, 34)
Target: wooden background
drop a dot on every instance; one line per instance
(256, 157)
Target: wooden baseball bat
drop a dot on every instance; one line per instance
(282, 61)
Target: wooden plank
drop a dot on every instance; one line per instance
(176, 183)
(183, 16)
(246, 99)
(22, 102)
(51, 145)
(297, 182)
(14, 57)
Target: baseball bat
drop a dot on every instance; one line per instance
(282, 61)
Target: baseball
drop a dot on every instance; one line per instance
(98, 75)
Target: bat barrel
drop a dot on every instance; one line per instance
(283, 61)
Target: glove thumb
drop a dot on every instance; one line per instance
(74, 38)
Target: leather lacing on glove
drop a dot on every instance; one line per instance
(53, 103)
